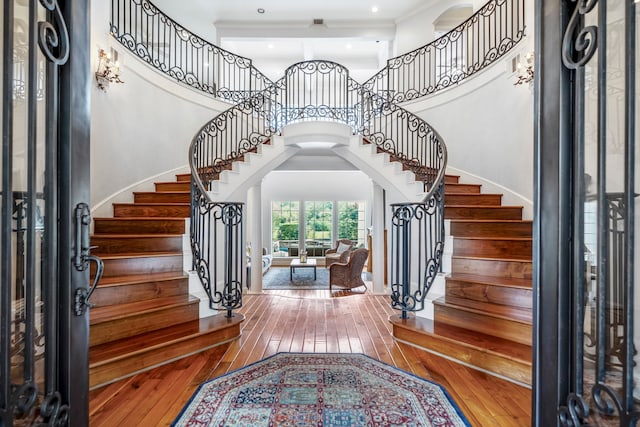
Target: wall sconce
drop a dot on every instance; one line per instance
(524, 72)
(108, 70)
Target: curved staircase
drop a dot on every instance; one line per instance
(143, 315)
(484, 320)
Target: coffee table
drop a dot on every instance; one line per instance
(295, 263)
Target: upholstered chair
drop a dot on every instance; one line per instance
(339, 254)
(349, 275)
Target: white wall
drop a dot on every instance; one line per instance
(417, 29)
(140, 128)
(487, 125)
(312, 185)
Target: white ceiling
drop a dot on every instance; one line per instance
(212, 11)
(351, 34)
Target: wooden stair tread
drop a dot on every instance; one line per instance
(138, 218)
(136, 236)
(466, 338)
(459, 188)
(491, 221)
(516, 314)
(152, 204)
(172, 182)
(489, 238)
(489, 227)
(482, 206)
(511, 282)
(119, 311)
(492, 258)
(471, 195)
(162, 192)
(139, 255)
(126, 347)
(140, 278)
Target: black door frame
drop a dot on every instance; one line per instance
(57, 95)
(74, 189)
(552, 213)
(564, 45)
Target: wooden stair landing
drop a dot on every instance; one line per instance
(144, 316)
(119, 359)
(496, 356)
(484, 319)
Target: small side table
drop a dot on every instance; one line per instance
(295, 263)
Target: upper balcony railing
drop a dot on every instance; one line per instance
(462, 52)
(167, 46)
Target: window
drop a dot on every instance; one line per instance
(351, 222)
(285, 223)
(318, 225)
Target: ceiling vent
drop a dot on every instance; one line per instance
(318, 21)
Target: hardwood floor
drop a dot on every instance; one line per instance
(306, 321)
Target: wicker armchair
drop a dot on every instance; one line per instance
(332, 255)
(349, 275)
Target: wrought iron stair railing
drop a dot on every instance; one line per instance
(467, 49)
(182, 55)
(316, 90)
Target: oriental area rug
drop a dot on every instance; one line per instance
(310, 389)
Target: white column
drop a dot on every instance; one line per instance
(254, 222)
(377, 240)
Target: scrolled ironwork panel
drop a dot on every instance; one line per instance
(182, 55)
(417, 244)
(217, 248)
(599, 47)
(38, 36)
(464, 51)
(580, 42)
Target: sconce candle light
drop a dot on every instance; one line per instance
(108, 70)
(525, 72)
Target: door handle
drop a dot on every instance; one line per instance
(82, 258)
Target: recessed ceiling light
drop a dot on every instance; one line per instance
(270, 45)
(374, 9)
(348, 46)
(260, 10)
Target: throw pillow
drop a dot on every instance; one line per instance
(342, 247)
